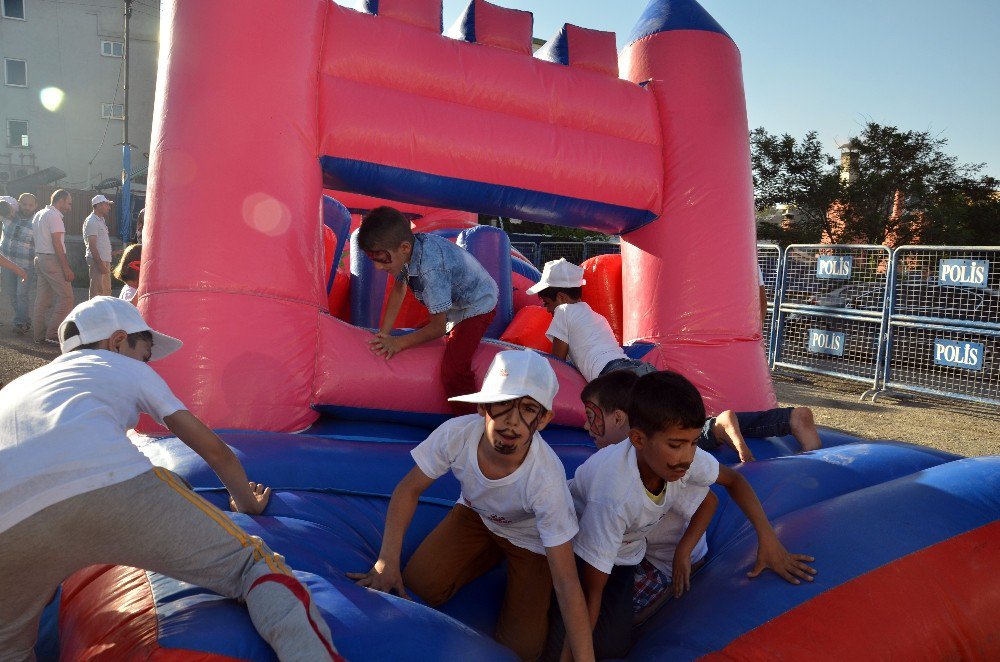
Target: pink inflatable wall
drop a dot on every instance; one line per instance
(390, 108)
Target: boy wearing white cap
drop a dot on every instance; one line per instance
(98, 247)
(74, 491)
(514, 505)
(576, 330)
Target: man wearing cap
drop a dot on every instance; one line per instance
(98, 247)
(74, 490)
(54, 294)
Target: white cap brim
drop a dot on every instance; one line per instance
(163, 345)
(483, 398)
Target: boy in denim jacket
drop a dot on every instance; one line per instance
(460, 295)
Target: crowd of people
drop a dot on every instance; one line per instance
(587, 558)
(34, 260)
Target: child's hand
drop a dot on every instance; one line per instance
(22, 274)
(682, 574)
(743, 451)
(261, 495)
(382, 577)
(792, 567)
(384, 345)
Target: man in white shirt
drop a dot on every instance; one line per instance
(75, 491)
(98, 246)
(54, 296)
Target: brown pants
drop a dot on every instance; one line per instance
(459, 550)
(53, 291)
(100, 282)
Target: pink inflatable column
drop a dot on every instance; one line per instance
(233, 254)
(692, 273)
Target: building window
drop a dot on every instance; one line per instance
(114, 111)
(15, 73)
(17, 133)
(112, 49)
(13, 9)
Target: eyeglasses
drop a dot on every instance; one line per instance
(595, 418)
(379, 257)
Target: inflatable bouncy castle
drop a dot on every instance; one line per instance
(294, 99)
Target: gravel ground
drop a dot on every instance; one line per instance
(955, 426)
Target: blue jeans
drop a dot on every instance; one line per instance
(755, 424)
(17, 293)
(640, 368)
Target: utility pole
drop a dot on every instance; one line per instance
(125, 204)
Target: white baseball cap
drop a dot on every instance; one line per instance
(98, 199)
(559, 273)
(100, 317)
(514, 374)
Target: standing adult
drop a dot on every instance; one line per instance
(18, 245)
(54, 295)
(140, 222)
(98, 247)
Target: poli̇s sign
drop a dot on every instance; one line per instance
(830, 343)
(968, 355)
(833, 266)
(970, 273)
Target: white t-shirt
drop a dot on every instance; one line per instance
(127, 292)
(44, 223)
(592, 343)
(614, 509)
(662, 539)
(531, 507)
(95, 226)
(62, 429)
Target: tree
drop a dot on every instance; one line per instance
(890, 187)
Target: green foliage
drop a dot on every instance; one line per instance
(899, 187)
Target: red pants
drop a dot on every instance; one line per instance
(456, 367)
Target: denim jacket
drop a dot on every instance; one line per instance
(448, 279)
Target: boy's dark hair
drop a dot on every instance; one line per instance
(663, 399)
(71, 330)
(126, 270)
(574, 293)
(611, 391)
(384, 229)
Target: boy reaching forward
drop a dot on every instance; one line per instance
(514, 505)
(622, 492)
(576, 330)
(460, 295)
(75, 492)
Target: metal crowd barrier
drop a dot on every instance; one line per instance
(528, 249)
(769, 263)
(831, 313)
(944, 323)
(553, 250)
(595, 248)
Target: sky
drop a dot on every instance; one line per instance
(922, 65)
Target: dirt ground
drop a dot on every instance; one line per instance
(952, 425)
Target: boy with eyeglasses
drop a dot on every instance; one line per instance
(515, 506)
(460, 295)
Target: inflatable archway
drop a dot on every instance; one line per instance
(378, 103)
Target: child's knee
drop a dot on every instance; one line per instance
(426, 586)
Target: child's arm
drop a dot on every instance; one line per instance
(247, 497)
(727, 427)
(388, 346)
(560, 349)
(572, 606)
(770, 552)
(695, 530)
(386, 575)
(392, 306)
(7, 264)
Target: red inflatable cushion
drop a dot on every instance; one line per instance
(592, 49)
(603, 290)
(483, 23)
(421, 13)
(528, 329)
